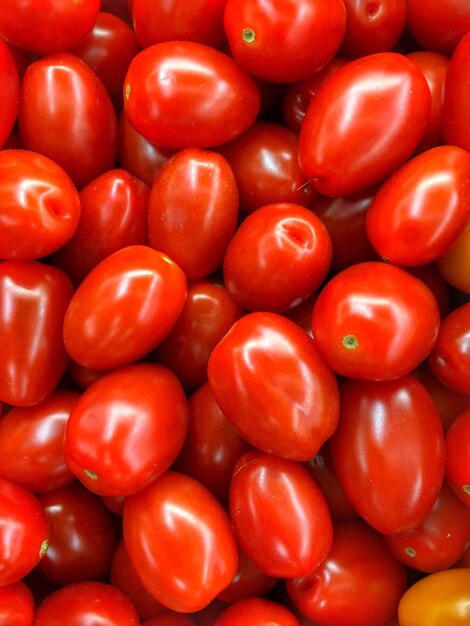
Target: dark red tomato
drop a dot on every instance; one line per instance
(156, 21)
(434, 67)
(115, 504)
(418, 213)
(278, 257)
(31, 443)
(33, 301)
(359, 584)
(180, 541)
(256, 612)
(10, 92)
(212, 446)
(24, 532)
(82, 538)
(21, 57)
(120, 8)
(431, 277)
(86, 603)
(365, 121)
(126, 429)
(291, 413)
(47, 26)
(284, 41)
(108, 50)
(16, 605)
(124, 308)
(264, 160)
(82, 376)
(450, 357)
(40, 205)
(388, 451)
(114, 214)
(458, 456)
(368, 321)
(372, 26)
(249, 581)
(208, 314)
(301, 314)
(165, 103)
(279, 515)
(193, 210)
(170, 618)
(440, 541)
(66, 114)
(438, 25)
(455, 121)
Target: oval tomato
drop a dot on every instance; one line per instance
(16, 605)
(256, 612)
(439, 25)
(455, 121)
(249, 581)
(458, 456)
(11, 92)
(454, 265)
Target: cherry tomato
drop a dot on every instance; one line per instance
(458, 456)
(256, 612)
(430, 276)
(164, 101)
(249, 581)
(290, 414)
(439, 25)
(16, 605)
(10, 91)
(170, 618)
(455, 121)
(454, 265)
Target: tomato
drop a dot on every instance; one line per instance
(439, 25)
(279, 515)
(33, 301)
(441, 598)
(359, 584)
(256, 612)
(290, 414)
(284, 41)
(278, 257)
(41, 220)
(16, 605)
(126, 429)
(365, 121)
(419, 212)
(368, 321)
(193, 210)
(141, 291)
(454, 265)
(180, 541)
(164, 101)
(11, 91)
(458, 456)
(430, 276)
(388, 452)
(455, 122)
(66, 114)
(170, 618)
(249, 581)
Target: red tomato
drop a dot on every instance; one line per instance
(279, 515)
(430, 276)
(388, 452)
(40, 205)
(284, 41)
(66, 114)
(455, 121)
(290, 414)
(193, 210)
(170, 618)
(458, 456)
(33, 301)
(249, 581)
(454, 266)
(359, 583)
(16, 605)
(164, 101)
(126, 429)
(10, 92)
(368, 321)
(256, 612)
(365, 121)
(438, 25)
(180, 541)
(124, 308)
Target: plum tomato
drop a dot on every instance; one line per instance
(439, 25)
(458, 456)
(455, 121)
(11, 92)
(256, 612)
(454, 265)
(16, 605)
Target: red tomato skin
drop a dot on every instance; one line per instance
(39, 222)
(170, 618)
(373, 314)
(256, 612)
(193, 210)
(388, 452)
(16, 605)
(440, 25)
(290, 415)
(10, 92)
(249, 581)
(455, 121)
(164, 101)
(33, 301)
(279, 515)
(364, 122)
(141, 290)
(419, 212)
(72, 120)
(458, 456)
(116, 452)
(180, 541)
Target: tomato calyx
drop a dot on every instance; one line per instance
(248, 35)
(350, 342)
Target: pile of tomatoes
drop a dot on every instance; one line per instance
(235, 313)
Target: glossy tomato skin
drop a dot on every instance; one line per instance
(454, 265)
(284, 41)
(458, 456)
(180, 541)
(364, 122)
(375, 321)
(141, 291)
(16, 605)
(419, 212)
(291, 414)
(164, 101)
(66, 114)
(126, 429)
(11, 94)
(440, 25)
(33, 301)
(279, 515)
(455, 122)
(358, 584)
(193, 210)
(388, 451)
(256, 612)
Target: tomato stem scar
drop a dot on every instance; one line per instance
(128, 91)
(43, 548)
(248, 35)
(410, 552)
(350, 342)
(91, 474)
(466, 488)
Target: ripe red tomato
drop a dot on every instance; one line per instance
(256, 612)
(16, 605)
(439, 25)
(455, 121)
(249, 581)
(458, 456)
(10, 92)
(454, 266)
(170, 618)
